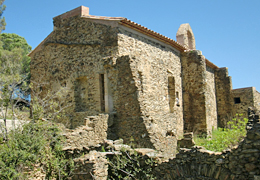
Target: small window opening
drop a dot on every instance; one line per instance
(81, 94)
(171, 93)
(177, 99)
(102, 92)
(237, 100)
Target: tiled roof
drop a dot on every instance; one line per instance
(103, 17)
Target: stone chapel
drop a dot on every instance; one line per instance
(149, 87)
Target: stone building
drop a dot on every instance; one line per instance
(151, 87)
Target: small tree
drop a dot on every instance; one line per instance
(47, 104)
(10, 75)
(12, 41)
(14, 70)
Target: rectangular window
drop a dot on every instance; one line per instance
(171, 92)
(102, 92)
(237, 100)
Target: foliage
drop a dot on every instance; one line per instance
(2, 19)
(129, 165)
(11, 41)
(34, 143)
(10, 79)
(223, 138)
(14, 73)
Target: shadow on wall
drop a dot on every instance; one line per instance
(128, 123)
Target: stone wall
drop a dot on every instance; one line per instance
(223, 95)
(211, 103)
(113, 70)
(241, 100)
(241, 162)
(72, 58)
(155, 71)
(91, 134)
(198, 94)
(91, 166)
(256, 96)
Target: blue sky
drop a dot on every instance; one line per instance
(226, 31)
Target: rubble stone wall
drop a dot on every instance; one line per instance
(194, 88)
(256, 96)
(72, 58)
(211, 103)
(128, 124)
(199, 94)
(224, 98)
(153, 65)
(241, 162)
(91, 134)
(241, 100)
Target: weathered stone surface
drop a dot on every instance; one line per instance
(240, 162)
(185, 36)
(200, 114)
(223, 96)
(187, 141)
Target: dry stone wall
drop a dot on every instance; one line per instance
(93, 165)
(241, 162)
(91, 134)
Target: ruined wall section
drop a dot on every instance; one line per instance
(194, 88)
(240, 162)
(153, 66)
(224, 99)
(211, 103)
(72, 58)
(242, 99)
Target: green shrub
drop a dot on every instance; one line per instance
(223, 138)
(129, 165)
(34, 143)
